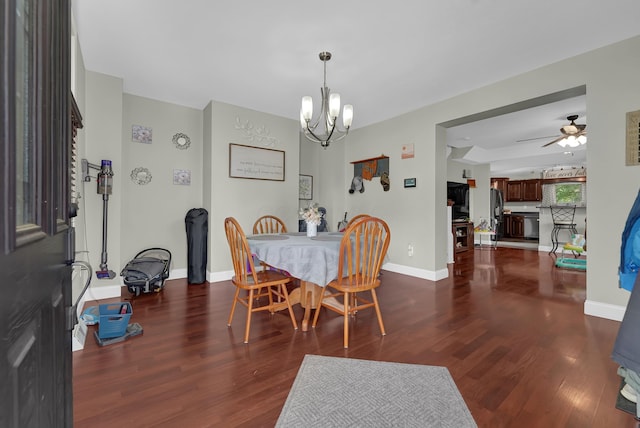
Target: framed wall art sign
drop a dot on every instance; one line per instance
(255, 162)
(305, 188)
(633, 138)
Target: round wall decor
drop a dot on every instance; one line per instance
(141, 176)
(181, 141)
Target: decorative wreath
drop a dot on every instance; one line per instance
(181, 141)
(141, 176)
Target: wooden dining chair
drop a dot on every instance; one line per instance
(269, 224)
(362, 252)
(356, 218)
(258, 284)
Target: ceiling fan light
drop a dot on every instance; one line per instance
(582, 139)
(572, 141)
(563, 142)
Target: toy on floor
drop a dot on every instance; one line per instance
(576, 246)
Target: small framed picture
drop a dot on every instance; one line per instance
(141, 134)
(407, 151)
(410, 182)
(182, 177)
(305, 187)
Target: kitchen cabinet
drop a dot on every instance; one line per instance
(500, 183)
(531, 190)
(514, 226)
(524, 190)
(514, 191)
(462, 236)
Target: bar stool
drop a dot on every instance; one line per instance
(563, 219)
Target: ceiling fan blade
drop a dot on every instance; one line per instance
(536, 138)
(554, 141)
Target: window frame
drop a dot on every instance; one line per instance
(49, 124)
(572, 202)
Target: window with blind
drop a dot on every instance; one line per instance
(566, 193)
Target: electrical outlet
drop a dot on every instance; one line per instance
(410, 250)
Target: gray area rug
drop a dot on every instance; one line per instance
(346, 392)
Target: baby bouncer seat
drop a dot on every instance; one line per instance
(147, 271)
(575, 247)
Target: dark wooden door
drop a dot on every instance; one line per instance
(517, 226)
(507, 226)
(35, 286)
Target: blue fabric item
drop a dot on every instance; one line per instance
(630, 248)
(91, 315)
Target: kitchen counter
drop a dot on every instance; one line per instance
(525, 213)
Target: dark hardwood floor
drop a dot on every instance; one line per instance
(507, 324)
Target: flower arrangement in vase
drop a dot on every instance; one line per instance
(312, 217)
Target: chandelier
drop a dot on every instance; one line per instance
(323, 129)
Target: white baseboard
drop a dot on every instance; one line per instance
(219, 276)
(604, 310)
(391, 267)
(416, 272)
(178, 273)
(211, 276)
(101, 292)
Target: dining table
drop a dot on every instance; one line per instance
(313, 260)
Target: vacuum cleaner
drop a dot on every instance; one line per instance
(105, 186)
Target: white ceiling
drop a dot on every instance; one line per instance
(513, 143)
(388, 57)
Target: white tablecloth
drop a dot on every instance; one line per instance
(309, 259)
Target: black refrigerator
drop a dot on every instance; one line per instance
(496, 208)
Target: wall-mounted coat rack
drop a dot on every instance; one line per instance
(372, 167)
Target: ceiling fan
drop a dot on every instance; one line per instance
(574, 134)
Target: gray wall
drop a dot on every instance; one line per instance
(416, 216)
(247, 199)
(102, 135)
(612, 186)
(153, 214)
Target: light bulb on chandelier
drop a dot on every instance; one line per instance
(324, 129)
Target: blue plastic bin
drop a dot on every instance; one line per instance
(114, 319)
